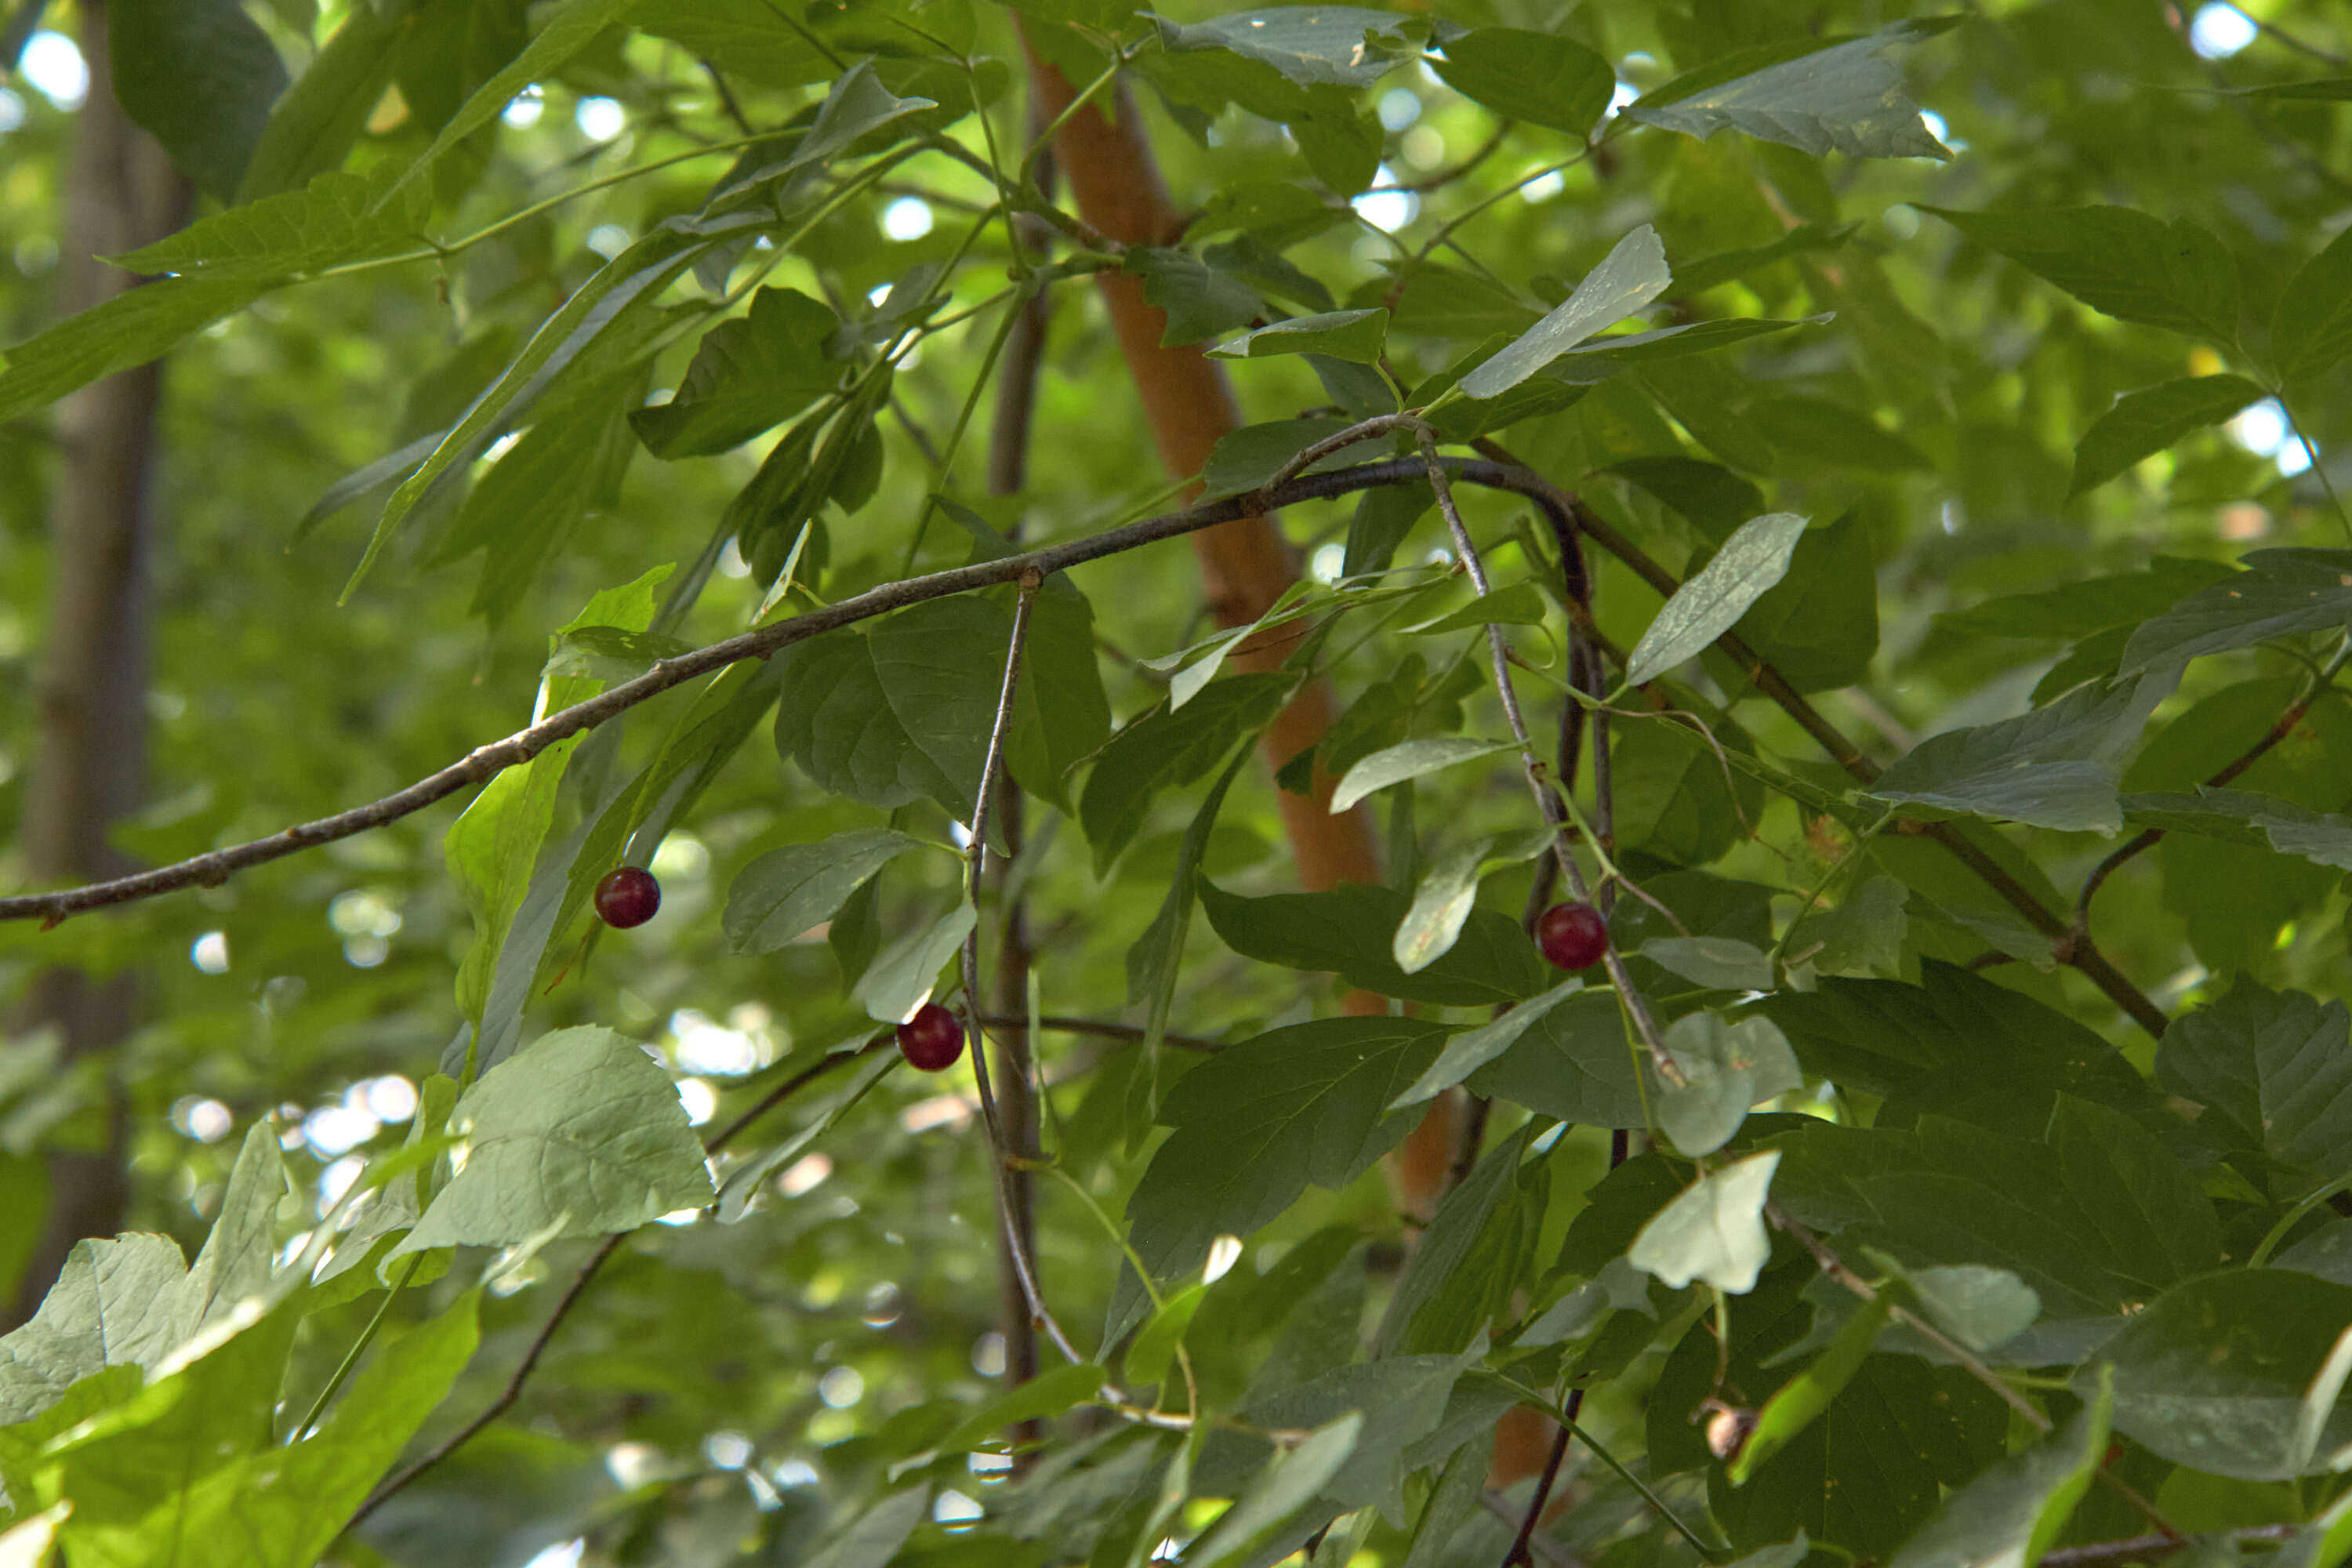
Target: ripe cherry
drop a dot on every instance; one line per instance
(1572, 936)
(627, 895)
(931, 1039)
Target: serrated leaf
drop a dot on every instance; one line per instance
(1846, 98)
(1513, 604)
(1259, 1121)
(1750, 562)
(578, 1134)
(1632, 274)
(2214, 1373)
(1713, 1231)
(1309, 45)
(2125, 263)
(1284, 1487)
(2282, 592)
(2242, 817)
(2311, 329)
(1466, 1052)
(1717, 963)
(2274, 1070)
(1540, 78)
(1164, 749)
(1250, 456)
(129, 330)
(1356, 336)
(1053, 1393)
(748, 374)
(1201, 300)
(1576, 1063)
(2012, 1512)
(2145, 422)
(1864, 935)
(1798, 1402)
(2054, 767)
(779, 897)
(1443, 899)
(1409, 759)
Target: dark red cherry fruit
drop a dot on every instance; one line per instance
(931, 1039)
(629, 896)
(1572, 936)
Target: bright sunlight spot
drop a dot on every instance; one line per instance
(1543, 188)
(209, 953)
(334, 1130)
(954, 1508)
(1329, 559)
(726, 1450)
(12, 112)
(53, 65)
(205, 1121)
(2220, 31)
(2262, 429)
(988, 1354)
(1390, 210)
(390, 1097)
(1223, 1253)
(805, 1175)
(1399, 107)
(909, 217)
(564, 1555)
(600, 119)
(525, 108)
(841, 1388)
(701, 1100)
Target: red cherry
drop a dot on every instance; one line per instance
(931, 1039)
(1572, 936)
(629, 896)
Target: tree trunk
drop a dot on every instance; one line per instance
(121, 192)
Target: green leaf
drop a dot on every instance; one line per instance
(1711, 496)
(903, 713)
(1347, 930)
(1515, 605)
(1202, 302)
(2213, 1375)
(199, 75)
(1309, 45)
(2325, 1543)
(2147, 421)
(1575, 1063)
(2093, 605)
(1356, 336)
(2241, 817)
(1154, 963)
(1163, 749)
(636, 275)
(1717, 963)
(1259, 1121)
(1832, 433)
(2127, 264)
(2153, 1221)
(1632, 274)
(578, 1134)
(898, 984)
(2013, 1512)
(126, 330)
(782, 894)
(1819, 624)
(873, 1538)
(2054, 767)
(1250, 456)
(1713, 1231)
(1728, 1067)
(1750, 562)
(2273, 1071)
(1458, 1277)
(1286, 1486)
(2281, 594)
(1442, 900)
(749, 374)
(1982, 1308)
(1798, 1402)
(1846, 98)
(334, 218)
(2311, 329)
(1053, 1393)
(743, 1181)
(1864, 935)
(1409, 759)
(1403, 1398)
(115, 1303)
(1540, 78)
(1466, 1052)
(314, 124)
(1728, 266)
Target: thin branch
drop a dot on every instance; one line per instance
(1001, 1156)
(2148, 1548)
(733, 109)
(2279, 730)
(1521, 1554)
(507, 1395)
(1551, 1553)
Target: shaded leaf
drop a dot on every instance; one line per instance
(1356, 336)
(1576, 1063)
(2054, 767)
(1728, 1067)
(2275, 1067)
(1466, 1052)
(783, 893)
(1540, 78)
(1165, 748)
(748, 374)
(1347, 932)
(2127, 264)
(199, 75)
(1311, 45)
(2311, 329)
(897, 984)
(1409, 759)
(2013, 1512)
(2145, 422)
(1846, 98)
